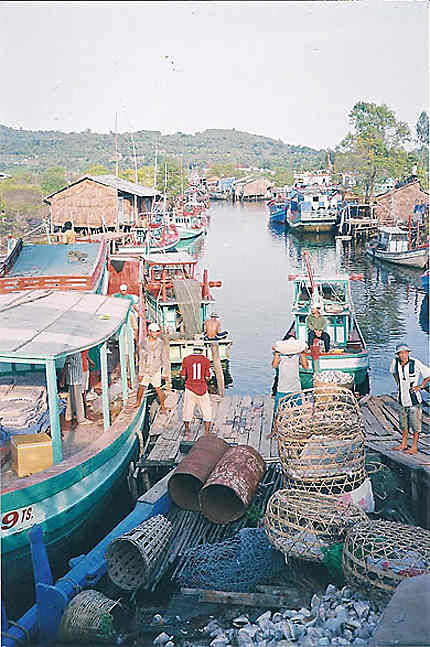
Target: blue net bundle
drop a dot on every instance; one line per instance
(236, 564)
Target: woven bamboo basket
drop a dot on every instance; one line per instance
(132, 558)
(378, 555)
(330, 381)
(92, 618)
(301, 525)
(324, 411)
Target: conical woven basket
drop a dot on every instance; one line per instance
(89, 619)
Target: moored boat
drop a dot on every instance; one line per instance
(332, 294)
(400, 246)
(62, 478)
(425, 281)
(312, 210)
(278, 211)
(154, 233)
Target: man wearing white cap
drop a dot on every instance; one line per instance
(406, 371)
(154, 361)
(287, 357)
(212, 328)
(196, 370)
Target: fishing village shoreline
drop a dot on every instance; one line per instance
(327, 452)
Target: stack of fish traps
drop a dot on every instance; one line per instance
(302, 525)
(133, 558)
(378, 555)
(321, 441)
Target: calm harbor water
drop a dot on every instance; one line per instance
(253, 261)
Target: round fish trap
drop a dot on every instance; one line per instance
(324, 411)
(192, 472)
(132, 558)
(302, 525)
(323, 461)
(377, 555)
(231, 487)
(92, 618)
(329, 486)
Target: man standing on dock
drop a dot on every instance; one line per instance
(154, 360)
(406, 371)
(196, 370)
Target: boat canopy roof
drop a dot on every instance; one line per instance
(56, 260)
(170, 258)
(45, 324)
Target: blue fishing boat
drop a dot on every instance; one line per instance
(278, 211)
(332, 295)
(313, 210)
(54, 473)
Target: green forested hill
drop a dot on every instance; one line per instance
(38, 150)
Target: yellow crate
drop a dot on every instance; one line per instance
(31, 453)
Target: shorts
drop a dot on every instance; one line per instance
(203, 401)
(154, 379)
(410, 418)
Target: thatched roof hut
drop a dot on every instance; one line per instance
(257, 188)
(96, 201)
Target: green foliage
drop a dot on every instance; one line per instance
(53, 179)
(283, 177)
(375, 146)
(170, 178)
(422, 128)
(97, 169)
(224, 170)
(21, 206)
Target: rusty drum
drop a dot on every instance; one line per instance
(192, 472)
(231, 486)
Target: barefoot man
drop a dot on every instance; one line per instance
(212, 328)
(196, 370)
(406, 371)
(154, 359)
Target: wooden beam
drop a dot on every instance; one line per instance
(230, 597)
(218, 369)
(123, 363)
(54, 414)
(130, 349)
(105, 386)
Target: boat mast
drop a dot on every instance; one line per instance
(116, 146)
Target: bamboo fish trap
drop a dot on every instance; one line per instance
(302, 525)
(378, 555)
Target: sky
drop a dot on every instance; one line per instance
(287, 70)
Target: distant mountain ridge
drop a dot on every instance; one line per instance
(38, 150)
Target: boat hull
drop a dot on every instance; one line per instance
(354, 364)
(411, 258)
(65, 499)
(189, 234)
(425, 282)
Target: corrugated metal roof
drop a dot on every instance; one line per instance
(124, 185)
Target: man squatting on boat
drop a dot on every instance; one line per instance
(406, 371)
(154, 361)
(212, 328)
(196, 370)
(317, 325)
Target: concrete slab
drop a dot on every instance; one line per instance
(406, 620)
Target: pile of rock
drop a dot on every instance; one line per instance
(339, 617)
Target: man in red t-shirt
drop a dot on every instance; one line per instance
(196, 370)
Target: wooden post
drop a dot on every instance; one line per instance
(123, 363)
(54, 414)
(105, 386)
(218, 368)
(130, 342)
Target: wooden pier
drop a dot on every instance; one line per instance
(247, 420)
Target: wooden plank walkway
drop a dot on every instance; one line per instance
(382, 429)
(239, 420)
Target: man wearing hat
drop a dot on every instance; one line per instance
(212, 328)
(288, 355)
(196, 370)
(317, 325)
(154, 361)
(406, 371)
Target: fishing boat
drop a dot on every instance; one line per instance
(312, 210)
(277, 211)
(61, 476)
(400, 246)
(154, 232)
(332, 294)
(179, 301)
(77, 266)
(190, 220)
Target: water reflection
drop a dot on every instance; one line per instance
(424, 314)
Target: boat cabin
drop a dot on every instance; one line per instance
(393, 239)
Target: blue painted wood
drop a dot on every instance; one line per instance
(54, 414)
(39, 557)
(105, 386)
(51, 602)
(123, 362)
(130, 341)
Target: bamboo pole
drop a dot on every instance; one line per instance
(218, 369)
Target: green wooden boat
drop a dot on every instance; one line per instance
(39, 329)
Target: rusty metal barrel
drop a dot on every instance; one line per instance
(231, 487)
(192, 472)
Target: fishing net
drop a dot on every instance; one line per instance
(236, 564)
(302, 525)
(133, 557)
(92, 618)
(378, 555)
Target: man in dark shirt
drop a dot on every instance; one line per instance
(196, 370)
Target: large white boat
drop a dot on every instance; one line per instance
(400, 246)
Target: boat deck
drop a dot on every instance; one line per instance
(56, 260)
(239, 420)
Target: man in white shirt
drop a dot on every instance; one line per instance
(406, 371)
(288, 355)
